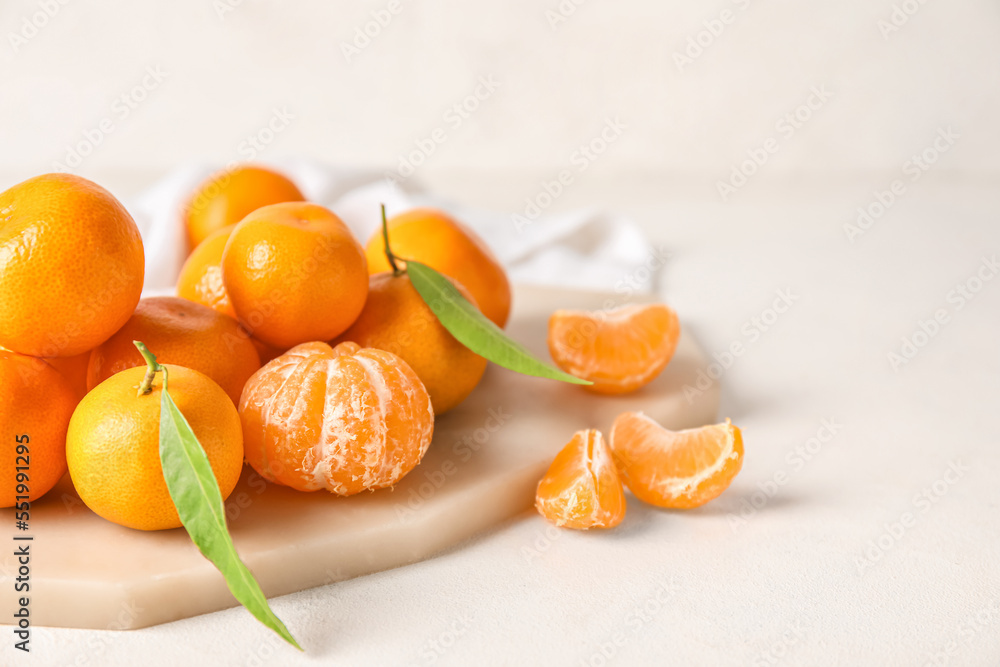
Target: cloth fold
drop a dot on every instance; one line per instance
(586, 249)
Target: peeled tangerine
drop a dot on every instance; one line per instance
(344, 419)
(675, 469)
(619, 350)
(582, 488)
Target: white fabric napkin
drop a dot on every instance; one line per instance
(583, 249)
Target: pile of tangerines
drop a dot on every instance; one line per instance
(293, 348)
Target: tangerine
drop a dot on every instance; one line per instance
(200, 279)
(113, 444)
(35, 411)
(294, 274)
(71, 266)
(341, 418)
(229, 195)
(436, 239)
(183, 333)
(396, 319)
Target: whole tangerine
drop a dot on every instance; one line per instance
(294, 274)
(35, 409)
(436, 239)
(227, 196)
(200, 279)
(182, 333)
(71, 266)
(396, 319)
(113, 444)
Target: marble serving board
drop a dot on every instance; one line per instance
(482, 468)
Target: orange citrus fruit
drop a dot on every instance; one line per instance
(74, 369)
(113, 444)
(267, 352)
(675, 469)
(201, 277)
(436, 239)
(343, 419)
(35, 409)
(295, 274)
(182, 333)
(581, 488)
(619, 350)
(71, 266)
(227, 196)
(396, 319)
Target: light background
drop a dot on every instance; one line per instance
(741, 590)
(228, 69)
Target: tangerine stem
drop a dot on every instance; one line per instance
(396, 271)
(152, 368)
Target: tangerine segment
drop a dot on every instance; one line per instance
(582, 488)
(343, 419)
(618, 350)
(675, 469)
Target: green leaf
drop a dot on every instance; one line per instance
(198, 500)
(474, 330)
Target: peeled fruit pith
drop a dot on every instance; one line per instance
(344, 419)
(675, 469)
(581, 488)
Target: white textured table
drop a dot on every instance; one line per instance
(863, 529)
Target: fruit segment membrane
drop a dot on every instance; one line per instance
(581, 488)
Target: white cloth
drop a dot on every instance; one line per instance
(584, 249)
